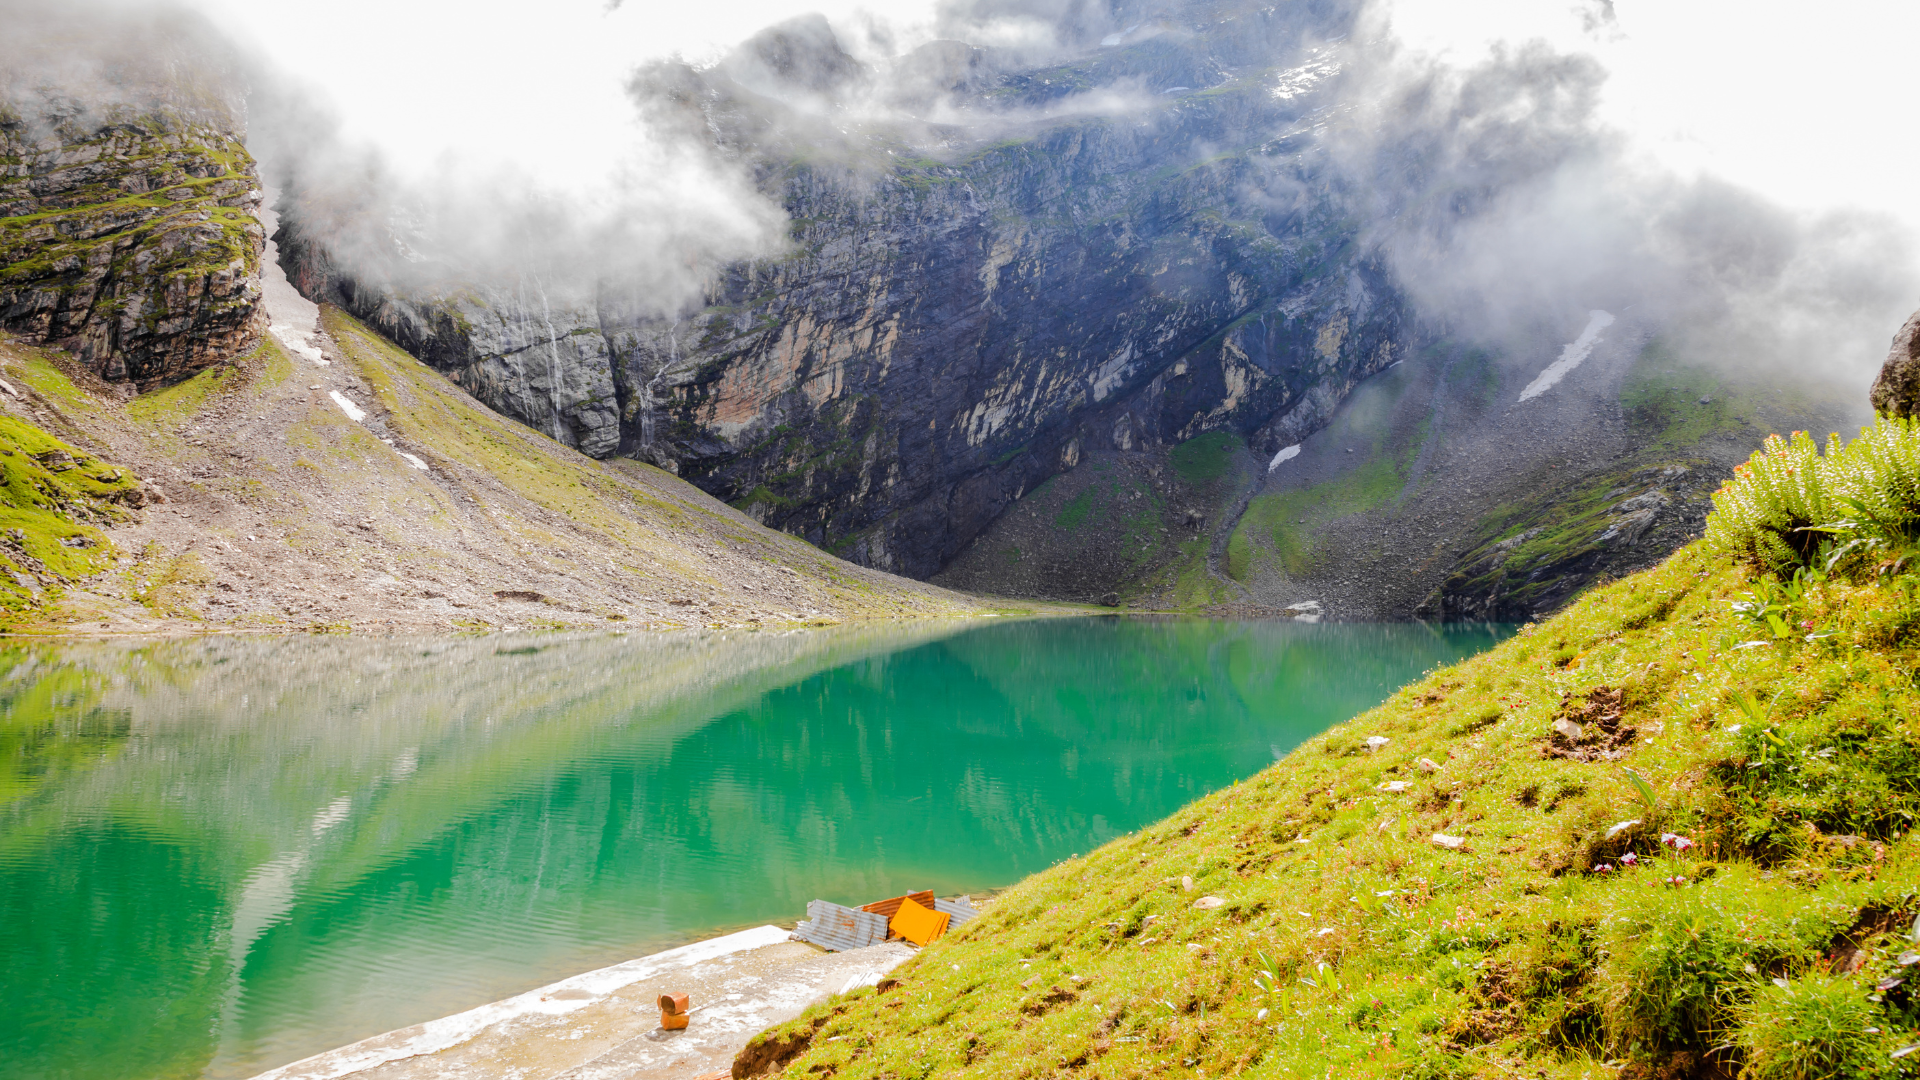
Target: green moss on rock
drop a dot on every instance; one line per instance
(53, 498)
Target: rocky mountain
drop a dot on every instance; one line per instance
(966, 309)
(127, 232)
(167, 465)
(1118, 322)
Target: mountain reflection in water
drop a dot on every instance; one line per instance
(221, 855)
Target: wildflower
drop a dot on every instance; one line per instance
(1629, 859)
(1675, 841)
(1603, 868)
(1676, 881)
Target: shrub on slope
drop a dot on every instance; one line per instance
(1682, 813)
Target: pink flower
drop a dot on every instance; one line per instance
(1675, 841)
(1629, 859)
(1603, 868)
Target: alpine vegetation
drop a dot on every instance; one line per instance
(1792, 506)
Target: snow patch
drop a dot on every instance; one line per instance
(414, 461)
(290, 337)
(354, 412)
(1299, 81)
(1288, 454)
(1570, 357)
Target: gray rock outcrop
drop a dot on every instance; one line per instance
(1896, 392)
(127, 233)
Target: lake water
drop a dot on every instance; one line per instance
(219, 856)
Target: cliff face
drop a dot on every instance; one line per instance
(127, 233)
(543, 361)
(938, 347)
(946, 333)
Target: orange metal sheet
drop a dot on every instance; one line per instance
(887, 907)
(918, 923)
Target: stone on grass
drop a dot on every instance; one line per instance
(1619, 827)
(1568, 728)
(1451, 843)
(1208, 903)
(1394, 785)
(1375, 742)
(1428, 765)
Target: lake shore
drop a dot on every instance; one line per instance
(604, 1024)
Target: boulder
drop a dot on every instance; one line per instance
(1897, 391)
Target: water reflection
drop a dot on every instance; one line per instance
(218, 856)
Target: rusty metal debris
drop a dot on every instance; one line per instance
(838, 928)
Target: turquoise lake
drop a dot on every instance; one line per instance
(221, 855)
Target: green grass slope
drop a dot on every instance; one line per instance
(1481, 894)
(53, 499)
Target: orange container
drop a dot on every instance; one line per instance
(673, 1011)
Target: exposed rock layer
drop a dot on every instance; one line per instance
(126, 231)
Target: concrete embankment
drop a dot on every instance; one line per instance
(605, 1024)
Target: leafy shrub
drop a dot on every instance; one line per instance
(1765, 514)
(1790, 502)
(1877, 477)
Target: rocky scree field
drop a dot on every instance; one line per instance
(270, 493)
(1666, 833)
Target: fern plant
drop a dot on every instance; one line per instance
(1791, 502)
(1772, 512)
(1877, 480)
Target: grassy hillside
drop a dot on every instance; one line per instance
(1664, 834)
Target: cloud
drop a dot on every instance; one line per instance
(80, 61)
(1508, 201)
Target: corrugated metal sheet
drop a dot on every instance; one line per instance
(961, 912)
(891, 906)
(838, 928)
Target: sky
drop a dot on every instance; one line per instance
(1809, 111)
(536, 82)
(1804, 108)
